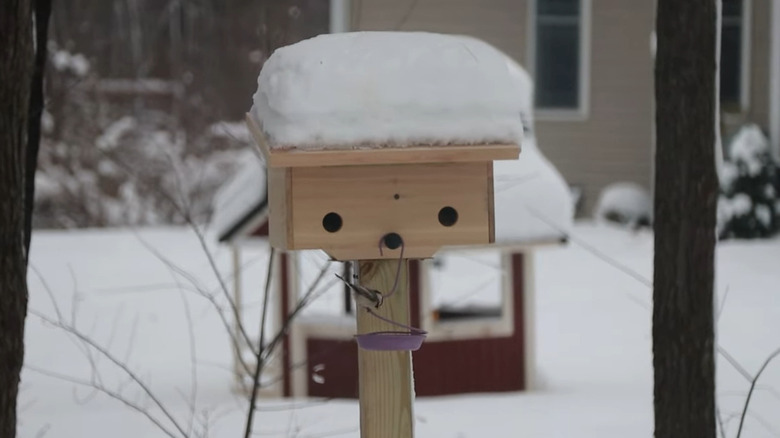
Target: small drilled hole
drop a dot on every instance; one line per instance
(396, 196)
(332, 222)
(448, 216)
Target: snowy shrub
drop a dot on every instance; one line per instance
(132, 172)
(748, 206)
(625, 203)
(114, 153)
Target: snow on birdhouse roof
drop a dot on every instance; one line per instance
(241, 201)
(380, 89)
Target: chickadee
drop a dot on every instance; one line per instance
(364, 296)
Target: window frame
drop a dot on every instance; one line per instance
(477, 328)
(340, 16)
(745, 70)
(581, 111)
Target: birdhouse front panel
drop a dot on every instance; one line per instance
(348, 211)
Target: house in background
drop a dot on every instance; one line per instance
(593, 68)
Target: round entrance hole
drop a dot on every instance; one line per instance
(448, 216)
(332, 222)
(393, 240)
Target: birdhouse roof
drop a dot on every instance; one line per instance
(388, 90)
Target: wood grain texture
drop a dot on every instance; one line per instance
(280, 213)
(386, 386)
(365, 198)
(393, 155)
(380, 155)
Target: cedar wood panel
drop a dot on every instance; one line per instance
(483, 365)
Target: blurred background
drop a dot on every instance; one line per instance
(166, 83)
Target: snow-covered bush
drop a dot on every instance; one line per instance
(625, 203)
(111, 158)
(748, 206)
(137, 172)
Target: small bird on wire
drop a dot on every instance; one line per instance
(364, 296)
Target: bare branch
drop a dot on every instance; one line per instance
(734, 363)
(600, 255)
(752, 387)
(302, 303)
(402, 22)
(259, 361)
(720, 422)
(48, 291)
(638, 277)
(106, 391)
(210, 297)
(722, 305)
(193, 362)
(121, 365)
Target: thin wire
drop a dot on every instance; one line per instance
(398, 269)
(413, 330)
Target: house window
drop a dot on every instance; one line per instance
(558, 54)
(731, 54)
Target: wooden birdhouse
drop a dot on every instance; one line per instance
(360, 204)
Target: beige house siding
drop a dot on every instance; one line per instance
(498, 22)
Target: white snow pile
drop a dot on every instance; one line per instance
(748, 147)
(625, 203)
(240, 195)
(374, 89)
(532, 200)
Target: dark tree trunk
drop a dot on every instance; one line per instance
(685, 201)
(42, 14)
(16, 63)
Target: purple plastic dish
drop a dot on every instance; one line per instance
(391, 341)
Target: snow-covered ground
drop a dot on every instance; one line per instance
(594, 345)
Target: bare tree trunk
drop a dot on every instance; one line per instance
(16, 63)
(42, 14)
(685, 201)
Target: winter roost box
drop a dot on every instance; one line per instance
(375, 134)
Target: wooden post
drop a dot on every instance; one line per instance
(386, 385)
